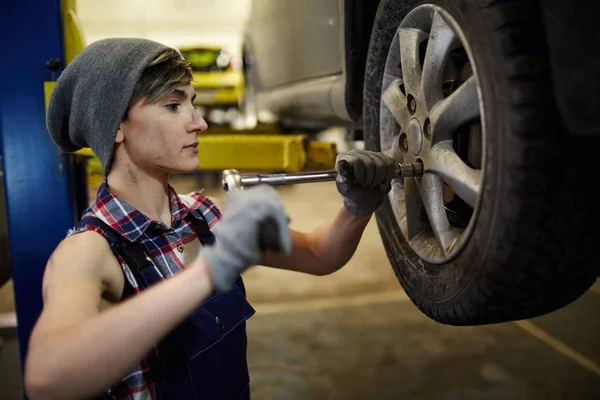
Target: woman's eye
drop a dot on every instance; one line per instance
(172, 107)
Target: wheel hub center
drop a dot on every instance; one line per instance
(414, 135)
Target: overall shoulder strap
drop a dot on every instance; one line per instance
(202, 229)
(133, 253)
(142, 272)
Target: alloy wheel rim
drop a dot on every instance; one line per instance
(431, 113)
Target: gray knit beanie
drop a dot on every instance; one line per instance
(91, 95)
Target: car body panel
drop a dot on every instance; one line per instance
(297, 60)
(297, 39)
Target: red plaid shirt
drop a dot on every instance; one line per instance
(170, 248)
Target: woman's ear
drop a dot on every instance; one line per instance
(120, 135)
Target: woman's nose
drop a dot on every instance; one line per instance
(202, 125)
(198, 123)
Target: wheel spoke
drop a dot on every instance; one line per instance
(409, 57)
(395, 101)
(464, 180)
(413, 208)
(458, 108)
(441, 40)
(431, 193)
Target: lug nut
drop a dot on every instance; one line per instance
(412, 104)
(403, 141)
(427, 129)
(407, 170)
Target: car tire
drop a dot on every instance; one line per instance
(532, 248)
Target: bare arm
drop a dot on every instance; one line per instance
(75, 350)
(363, 187)
(326, 249)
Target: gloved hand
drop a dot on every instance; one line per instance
(237, 245)
(373, 173)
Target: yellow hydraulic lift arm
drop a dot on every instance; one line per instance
(253, 152)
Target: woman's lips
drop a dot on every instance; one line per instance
(193, 147)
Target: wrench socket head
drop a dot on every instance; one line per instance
(231, 180)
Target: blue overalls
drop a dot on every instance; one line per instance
(205, 356)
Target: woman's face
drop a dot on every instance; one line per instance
(163, 135)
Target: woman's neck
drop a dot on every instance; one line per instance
(147, 194)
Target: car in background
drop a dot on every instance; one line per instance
(219, 85)
(486, 102)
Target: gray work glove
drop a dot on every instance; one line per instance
(237, 245)
(373, 173)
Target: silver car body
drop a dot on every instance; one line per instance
(297, 58)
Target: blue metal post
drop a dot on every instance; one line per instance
(39, 201)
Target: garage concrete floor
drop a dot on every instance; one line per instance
(355, 334)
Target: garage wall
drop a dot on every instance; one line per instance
(173, 22)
